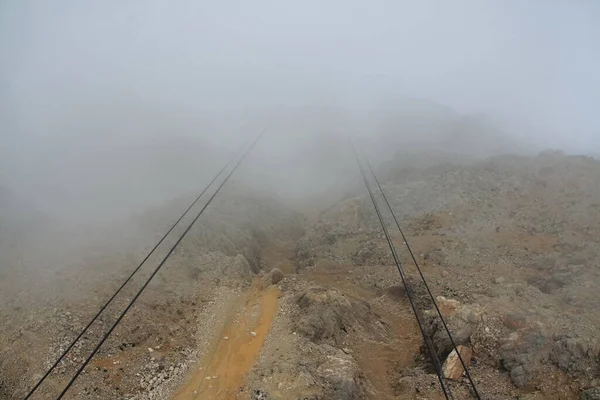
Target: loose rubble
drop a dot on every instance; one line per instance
(509, 246)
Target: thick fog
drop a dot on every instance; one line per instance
(112, 106)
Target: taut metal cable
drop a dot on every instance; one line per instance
(137, 295)
(109, 301)
(426, 339)
(423, 278)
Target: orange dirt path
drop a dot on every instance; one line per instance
(221, 373)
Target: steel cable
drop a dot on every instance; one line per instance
(428, 344)
(131, 275)
(423, 278)
(156, 270)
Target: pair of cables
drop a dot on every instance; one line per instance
(418, 314)
(244, 153)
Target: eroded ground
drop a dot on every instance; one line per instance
(509, 246)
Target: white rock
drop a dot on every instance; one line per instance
(452, 367)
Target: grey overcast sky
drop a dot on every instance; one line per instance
(531, 63)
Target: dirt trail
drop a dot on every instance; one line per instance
(221, 374)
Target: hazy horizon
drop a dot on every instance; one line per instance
(125, 96)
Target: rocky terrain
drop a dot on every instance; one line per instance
(265, 302)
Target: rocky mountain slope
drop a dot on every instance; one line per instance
(221, 254)
(262, 302)
(510, 244)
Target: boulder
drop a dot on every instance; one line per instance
(461, 320)
(576, 356)
(276, 275)
(521, 353)
(448, 307)
(327, 314)
(590, 394)
(406, 387)
(240, 267)
(452, 367)
(343, 376)
(519, 376)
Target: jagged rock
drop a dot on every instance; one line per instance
(343, 376)
(442, 342)
(406, 387)
(518, 376)
(452, 367)
(575, 356)
(329, 314)
(241, 267)
(461, 321)
(276, 275)
(590, 394)
(448, 307)
(515, 363)
(363, 254)
(521, 351)
(258, 394)
(370, 254)
(304, 254)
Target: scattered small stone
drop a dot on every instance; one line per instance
(226, 338)
(253, 333)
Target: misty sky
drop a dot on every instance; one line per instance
(116, 71)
